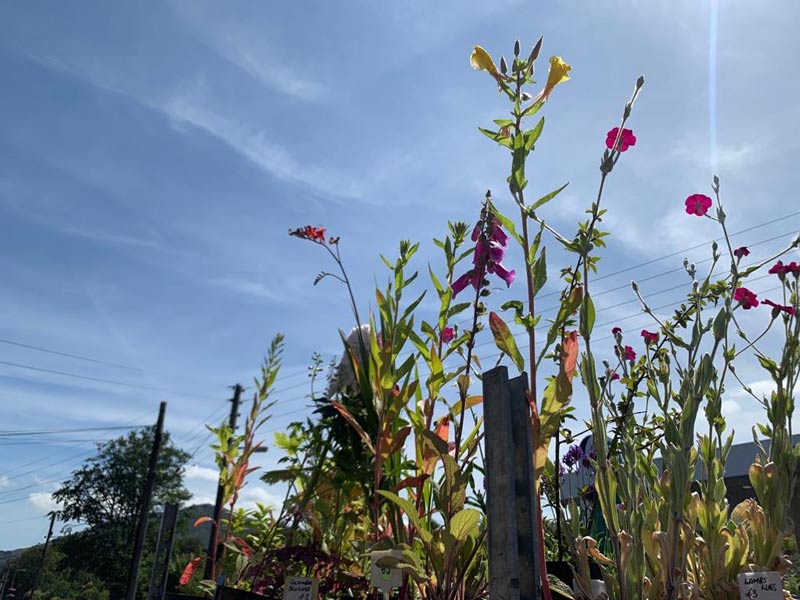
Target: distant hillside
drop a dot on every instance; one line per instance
(9, 555)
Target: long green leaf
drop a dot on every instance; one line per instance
(504, 340)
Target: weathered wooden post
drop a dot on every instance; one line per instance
(510, 496)
(166, 537)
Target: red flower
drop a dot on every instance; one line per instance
(649, 337)
(745, 297)
(698, 204)
(310, 233)
(630, 353)
(777, 308)
(626, 140)
(614, 376)
(741, 251)
(447, 335)
(616, 331)
(792, 268)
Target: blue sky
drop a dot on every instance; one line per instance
(152, 160)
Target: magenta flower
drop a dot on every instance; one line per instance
(447, 335)
(649, 337)
(626, 140)
(777, 269)
(630, 353)
(745, 297)
(777, 308)
(741, 252)
(614, 376)
(490, 246)
(616, 331)
(698, 204)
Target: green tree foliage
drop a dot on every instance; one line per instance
(105, 495)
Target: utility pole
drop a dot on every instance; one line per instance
(144, 507)
(44, 553)
(212, 542)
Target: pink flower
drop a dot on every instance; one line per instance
(447, 335)
(630, 354)
(792, 268)
(616, 331)
(466, 279)
(777, 308)
(741, 252)
(745, 297)
(502, 273)
(698, 204)
(649, 337)
(626, 140)
(777, 268)
(614, 376)
(490, 246)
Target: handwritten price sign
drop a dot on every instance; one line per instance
(300, 588)
(766, 585)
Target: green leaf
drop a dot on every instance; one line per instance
(411, 512)
(504, 340)
(539, 272)
(464, 524)
(587, 316)
(532, 135)
(496, 136)
(546, 198)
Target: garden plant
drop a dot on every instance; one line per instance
(392, 456)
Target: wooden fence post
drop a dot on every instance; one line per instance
(510, 498)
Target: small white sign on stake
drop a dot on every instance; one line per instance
(766, 585)
(385, 578)
(300, 588)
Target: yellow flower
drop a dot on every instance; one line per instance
(558, 73)
(482, 60)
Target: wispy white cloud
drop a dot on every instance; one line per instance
(43, 501)
(4, 482)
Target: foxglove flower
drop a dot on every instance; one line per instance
(490, 246)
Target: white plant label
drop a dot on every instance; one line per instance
(766, 585)
(300, 588)
(384, 578)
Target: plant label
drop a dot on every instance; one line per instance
(384, 578)
(300, 588)
(766, 585)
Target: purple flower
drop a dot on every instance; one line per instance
(447, 335)
(490, 246)
(573, 455)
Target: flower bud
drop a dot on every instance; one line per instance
(503, 65)
(640, 82)
(635, 287)
(535, 52)
(516, 48)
